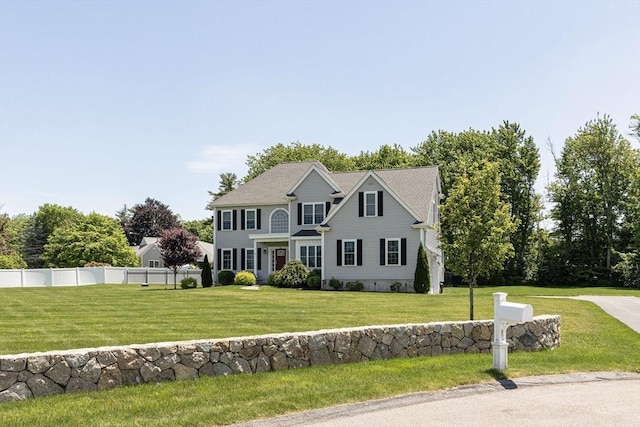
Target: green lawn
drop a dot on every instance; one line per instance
(61, 318)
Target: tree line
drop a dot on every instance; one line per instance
(594, 197)
(58, 236)
(490, 208)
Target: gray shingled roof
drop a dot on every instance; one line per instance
(270, 187)
(412, 185)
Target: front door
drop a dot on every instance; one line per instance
(281, 258)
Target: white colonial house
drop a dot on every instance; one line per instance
(354, 226)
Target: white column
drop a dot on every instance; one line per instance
(500, 345)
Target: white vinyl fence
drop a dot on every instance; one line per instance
(80, 276)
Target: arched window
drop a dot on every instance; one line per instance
(279, 221)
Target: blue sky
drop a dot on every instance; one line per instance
(106, 103)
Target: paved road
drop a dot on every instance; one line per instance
(594, 399)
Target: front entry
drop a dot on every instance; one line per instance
(281, 258)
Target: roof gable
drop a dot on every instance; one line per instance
(324, 174)
(373, 174)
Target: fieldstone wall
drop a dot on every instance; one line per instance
(23, 376)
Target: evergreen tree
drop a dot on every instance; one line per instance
(421, 275)
(206, 276)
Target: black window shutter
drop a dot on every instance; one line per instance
(380, 209)
(359, 250)
(360, 203)
(403, 251)
(235, 259)
(235, 219)
(258, 212)
(219, 258)
(327, 206)
(241, 219)
(259, 256)
(219, 220)
(383, 252)
(243, 258)
(339, 253)
(299, 213)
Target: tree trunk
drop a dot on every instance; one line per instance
(175, 278)
(471, 300)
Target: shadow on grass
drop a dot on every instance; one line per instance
(502, 379)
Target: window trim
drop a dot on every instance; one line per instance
(354, 253)
(387, 252)
(366, 204)
(222, 253)
(255, 219)
(222, 215)
(248, 251)
(271, 231)
(317, 257)
(316, 207)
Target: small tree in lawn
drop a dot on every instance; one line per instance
(207, 277)
(478, 223)
(178, 247)
(421, 275)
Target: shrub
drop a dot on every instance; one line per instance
(313, 279)
(97, 264)
(354, 286)
(292, 275)
(245, 278)
(226, 277)
(395, 287)
(335, 284)
(188, 283)
(272, 279)
(207, 277)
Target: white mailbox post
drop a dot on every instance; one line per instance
(504, 314)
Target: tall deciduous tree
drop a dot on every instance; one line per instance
(479, 224)
(202, 229)
(591, 194)
(386, 157)
(178, 247)
(42, 224)
(149, 219)
(519, 162)
(93, 238)
(297, 152)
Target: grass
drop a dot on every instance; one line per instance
(43, 319)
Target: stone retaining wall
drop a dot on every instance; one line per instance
(24, 376)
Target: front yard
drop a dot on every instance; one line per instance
(62, 318)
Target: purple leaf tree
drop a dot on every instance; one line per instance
(178, 247)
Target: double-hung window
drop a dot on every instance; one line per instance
(249, 259)
(393, 251)
(227, 221)
(349, 252)
(312, 213)
(250, 219)
(370, 203)
(227, 259)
